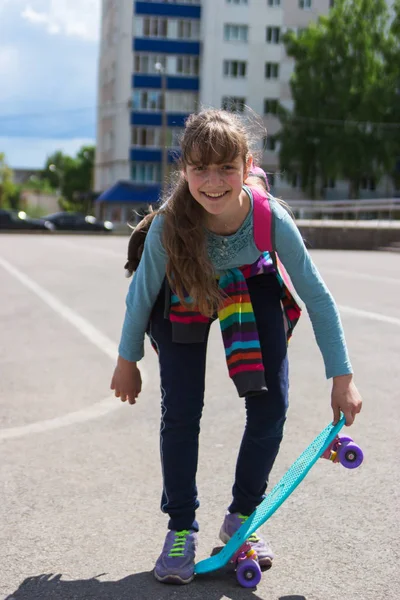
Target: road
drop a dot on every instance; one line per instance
(79, 471)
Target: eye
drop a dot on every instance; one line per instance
(199, 168)
(228, 167)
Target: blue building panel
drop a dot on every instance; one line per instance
(173, 83)
(166, 46)
(154, 119)
(168, 10)
(146, 118)
(153, 155)
(145, 155)
(191, 84)
(177, 119)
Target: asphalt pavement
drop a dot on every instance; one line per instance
(80, 478)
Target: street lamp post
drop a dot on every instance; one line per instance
(53, 169)
(164, 150)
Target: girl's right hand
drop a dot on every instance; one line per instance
(126, 381)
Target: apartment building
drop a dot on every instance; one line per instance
(221, 53)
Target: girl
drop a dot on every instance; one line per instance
(199, 251)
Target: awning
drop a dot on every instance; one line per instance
(129, 192)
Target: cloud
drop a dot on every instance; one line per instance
(48, 70)
(75, 18)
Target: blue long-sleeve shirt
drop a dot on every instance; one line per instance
(227, 252)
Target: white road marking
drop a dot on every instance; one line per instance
(365, 314)
(355, 275)
(92, 334)
(81, 416)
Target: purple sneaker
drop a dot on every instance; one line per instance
(231, 524)
(176, 562)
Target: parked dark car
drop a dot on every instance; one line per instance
(66, 221)
(14, 219)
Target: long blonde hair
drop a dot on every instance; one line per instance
(210, 137)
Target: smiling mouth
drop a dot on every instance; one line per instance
(214, 196)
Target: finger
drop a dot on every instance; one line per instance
(336, 414)
(131, 400)
(117, 393)
(349, 417)
(123, 397)
(112, 385)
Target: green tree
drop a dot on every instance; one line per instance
(393, 71)
(72, 177)
(7, 187)
(341, 92)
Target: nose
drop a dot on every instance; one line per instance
(214, 176)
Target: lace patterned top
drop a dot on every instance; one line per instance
(223, 249)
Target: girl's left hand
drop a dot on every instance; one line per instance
(345, 398)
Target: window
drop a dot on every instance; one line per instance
(147, 100)
(271, 70)
(270, 106)
(151, 137)
(145, 63)
(155, 27)
(184, 102)
(273, 35)
(146, 172)
(368, 183)
(173, 137)
(295, 180)
(187, 65)
(176, 65)
(188, 30)
(270, 143)
(235, 33)
(146, 136)
(233, 103)
(181, 102)
(304, 4)
(235, 68)
(274, 2)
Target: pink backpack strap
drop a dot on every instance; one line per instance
(262, 220)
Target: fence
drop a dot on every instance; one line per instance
(377, 208)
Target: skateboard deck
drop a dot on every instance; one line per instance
(276, 497)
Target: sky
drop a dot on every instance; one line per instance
(48, 78)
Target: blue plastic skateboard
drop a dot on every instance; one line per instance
(247, 568)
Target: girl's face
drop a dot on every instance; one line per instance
(217, 186)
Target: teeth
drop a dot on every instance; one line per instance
(215, 195)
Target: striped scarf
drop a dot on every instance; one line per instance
(237, 322)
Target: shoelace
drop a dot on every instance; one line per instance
(253, 539)
(178, 546)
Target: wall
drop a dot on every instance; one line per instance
(336, 235)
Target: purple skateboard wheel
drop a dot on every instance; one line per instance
(343, 439)
(350, 455)
(248, 573)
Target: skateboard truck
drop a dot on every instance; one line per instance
(345, 451)
(248, 570)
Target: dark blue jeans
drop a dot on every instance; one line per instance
(182, 371)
